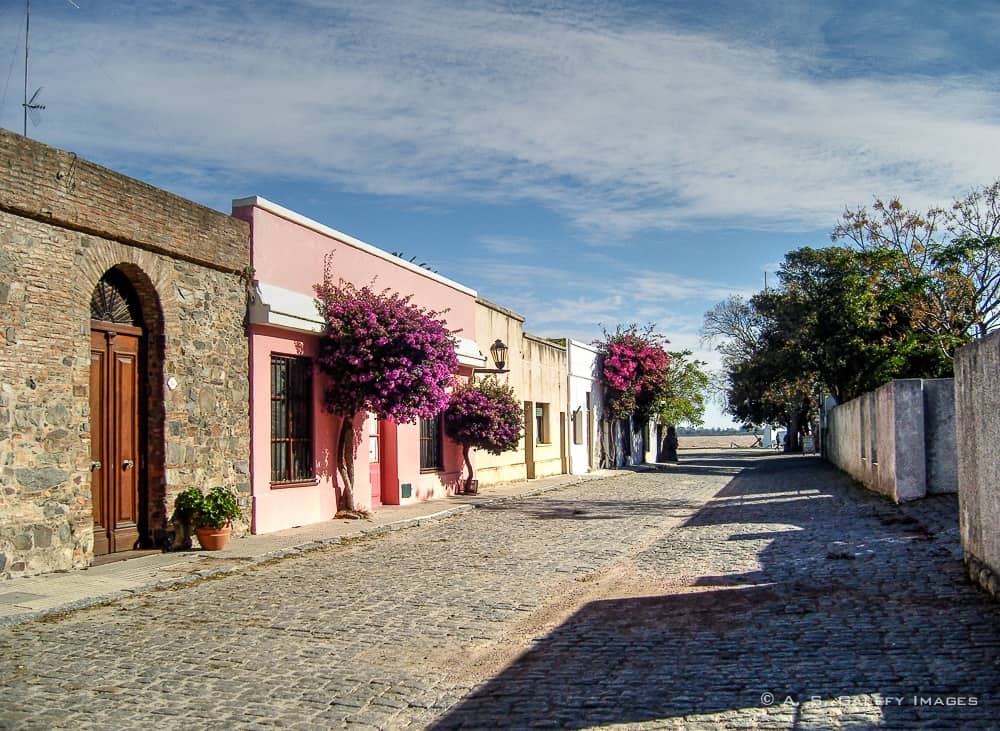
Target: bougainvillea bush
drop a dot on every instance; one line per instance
(634, 370)
(383, 354)
(484, 415)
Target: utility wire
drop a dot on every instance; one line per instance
(10, 71)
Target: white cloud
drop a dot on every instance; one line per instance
(619, 127)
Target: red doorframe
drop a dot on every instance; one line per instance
(374, 429)
(390, 463)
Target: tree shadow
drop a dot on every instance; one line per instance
(884, 631)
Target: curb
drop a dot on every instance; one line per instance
(307, 547)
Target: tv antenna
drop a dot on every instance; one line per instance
(32, 107)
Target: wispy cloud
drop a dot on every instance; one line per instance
(507, 246)
(619, 126)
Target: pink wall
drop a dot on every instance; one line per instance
(289, 254)
(275, 508)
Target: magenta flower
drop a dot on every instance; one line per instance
(634, 369)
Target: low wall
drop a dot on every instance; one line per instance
(898, 440)
(977, 427)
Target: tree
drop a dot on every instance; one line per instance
(842, 321)
(633, 368)
(383, 355)
(974, 252)
(682, 400)
(765, 390)
(953, 256)
(849, 320)
(734, 326)
(484, 415)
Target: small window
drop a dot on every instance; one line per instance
(291, 420)
(541, 423)
(578, 426)
(430, 444)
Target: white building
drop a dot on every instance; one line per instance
(585, 401)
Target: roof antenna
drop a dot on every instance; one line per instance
(31, 106)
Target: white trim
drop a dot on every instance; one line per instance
(290, 310)
(297, 218)
(469, 353)
(585, 346)
(284, 308)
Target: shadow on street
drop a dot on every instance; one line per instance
(840, 604)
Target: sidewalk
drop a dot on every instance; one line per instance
(29, 598)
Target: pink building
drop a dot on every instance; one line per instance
(293, 468)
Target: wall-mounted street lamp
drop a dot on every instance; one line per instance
(498, 351)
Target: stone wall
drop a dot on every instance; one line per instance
(63, 223)
(898, 440)
(977, 425)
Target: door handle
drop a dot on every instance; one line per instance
(128, 464)
(95, 466)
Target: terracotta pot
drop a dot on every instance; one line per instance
(213, 539)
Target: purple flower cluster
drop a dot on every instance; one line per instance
(383, 354)
(634, 369)
(485, 415)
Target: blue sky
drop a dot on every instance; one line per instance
(582, 163)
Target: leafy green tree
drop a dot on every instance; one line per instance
(682, 400)
(842, 321)
(952, 254)
(848, 319)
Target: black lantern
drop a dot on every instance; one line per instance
(498, 351)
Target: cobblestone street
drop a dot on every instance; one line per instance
(734, 590)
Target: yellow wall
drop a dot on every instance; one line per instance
(538, 376)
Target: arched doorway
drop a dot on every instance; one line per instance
(117, 409)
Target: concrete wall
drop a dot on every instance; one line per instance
(544, 385)
(493, 322)
(538, 375)
(585, 400)
(977, 424)
(940, 435)
(897, 440)
(847, 438)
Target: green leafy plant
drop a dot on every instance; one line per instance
(216, 508)
(219, 508)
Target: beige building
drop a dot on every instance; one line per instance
(538, 375)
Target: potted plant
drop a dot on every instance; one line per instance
(211, 513)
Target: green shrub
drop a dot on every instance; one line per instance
(216, 508)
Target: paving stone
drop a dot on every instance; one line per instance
(729, 595)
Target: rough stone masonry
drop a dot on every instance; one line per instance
(64, 223)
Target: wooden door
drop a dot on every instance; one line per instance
(529, 440)
(114, 437)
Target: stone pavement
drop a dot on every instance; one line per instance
(22, 599)
(730, 591)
